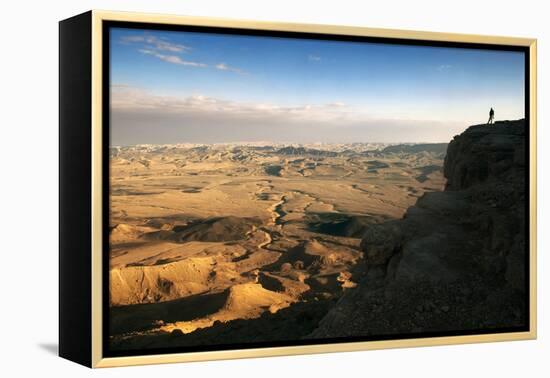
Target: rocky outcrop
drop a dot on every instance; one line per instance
(490, 154)
(218, 229)
(457, 260)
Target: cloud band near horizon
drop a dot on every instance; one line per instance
(141, 117)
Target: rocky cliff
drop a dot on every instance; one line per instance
(457, 260)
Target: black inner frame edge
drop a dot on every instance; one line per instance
(107, 25)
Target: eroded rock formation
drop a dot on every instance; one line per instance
(457, 260)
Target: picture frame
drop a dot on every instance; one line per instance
(85, 134)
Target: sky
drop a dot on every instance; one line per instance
(171, 87)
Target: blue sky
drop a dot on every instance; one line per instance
(186, 79)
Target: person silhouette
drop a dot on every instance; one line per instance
(491, 116)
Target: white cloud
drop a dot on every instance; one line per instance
(336, 104)
(444, 67)
(225, 67)
(314, 58)
(155, 43)
(130, 98)
(174, 59)
(167, 51)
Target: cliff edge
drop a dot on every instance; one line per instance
(457, 260)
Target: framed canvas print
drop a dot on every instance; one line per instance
(234, 189)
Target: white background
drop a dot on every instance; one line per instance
(29, 188)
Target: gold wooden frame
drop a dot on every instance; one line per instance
(97, 357)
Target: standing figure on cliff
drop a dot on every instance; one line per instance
(491, 116)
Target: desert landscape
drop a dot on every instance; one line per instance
(206, 234)
(283, 191)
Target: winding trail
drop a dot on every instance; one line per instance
(268, 240)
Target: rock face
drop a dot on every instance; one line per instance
(457, 260)
(486, 153)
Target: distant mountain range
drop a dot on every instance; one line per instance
(314, 149)
(437, 148)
